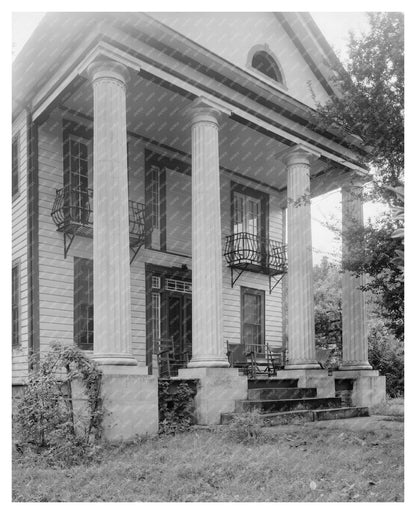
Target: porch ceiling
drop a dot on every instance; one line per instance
(159, 114)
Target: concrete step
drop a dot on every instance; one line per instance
(272, 383)
(287, 405)
(278, 418)
(286, 393)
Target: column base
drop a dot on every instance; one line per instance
(130, 401)
(352, 365)
(114, 359)
(217, 391)
(369, 387)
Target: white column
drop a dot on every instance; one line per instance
(301, 327)
(112, 312)
(207, 330)
(354, 322)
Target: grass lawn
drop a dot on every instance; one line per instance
(350, 460)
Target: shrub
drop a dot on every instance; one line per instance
(386, 354)
(246, 427)
(176, 409)
(46, 417)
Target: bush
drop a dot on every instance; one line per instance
(246, 427)
(386, 354)
(176, 409)
(46, 418)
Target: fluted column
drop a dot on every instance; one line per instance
(112, 329)
(301, 328)
(354, 322)
(207, 329)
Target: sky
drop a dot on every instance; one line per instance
(336, 27)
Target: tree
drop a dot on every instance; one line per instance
(385, 350)
(372, 107)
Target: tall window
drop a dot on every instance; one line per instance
(15, 165)
(252, 319)
(246, 214)
(155, 199)
(83, 303)
(15, 305)
(265, 64)
(76, 178)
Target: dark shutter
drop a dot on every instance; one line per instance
(83, 303)
(15, 166)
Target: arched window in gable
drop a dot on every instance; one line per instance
(265, 64)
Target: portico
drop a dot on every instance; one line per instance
(149, 166)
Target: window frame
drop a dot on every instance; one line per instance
(282, 85)
(16, 342)
(261, 294)
(240, 189)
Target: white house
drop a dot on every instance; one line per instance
(157, 160)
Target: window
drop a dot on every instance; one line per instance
(15, 166)
(83, 303)
(76, 178)
(265, 64)
(249, 223)
(15, 305)
(246, 214)
(252, 319)
(155, 197)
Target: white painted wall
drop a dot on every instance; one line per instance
(232, 35)
(56, 273)
(19, 249)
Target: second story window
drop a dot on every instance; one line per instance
(15, 165)
(155, 197)
(246, 214)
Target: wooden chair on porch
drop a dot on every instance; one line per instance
(256, 360)
(169, 361)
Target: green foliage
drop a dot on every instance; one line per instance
(176, 408)
(372, 107)
(327, 301)
(372, 101)
(373, 251)
(48, 418)
(386, 354)
(246, 427)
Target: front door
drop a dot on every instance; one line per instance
(177, 326)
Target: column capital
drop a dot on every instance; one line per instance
(298, 154)
(204, 110)
(108, 69)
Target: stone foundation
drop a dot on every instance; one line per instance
(130, 400)
(217, 391)
(369, 387)
(318, 378)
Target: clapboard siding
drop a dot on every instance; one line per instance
(56, 273)
(231, 295)
(19, 249)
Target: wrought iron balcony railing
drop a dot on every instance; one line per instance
(248, 252)
(73, 215)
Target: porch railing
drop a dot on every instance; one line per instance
(249, 252)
